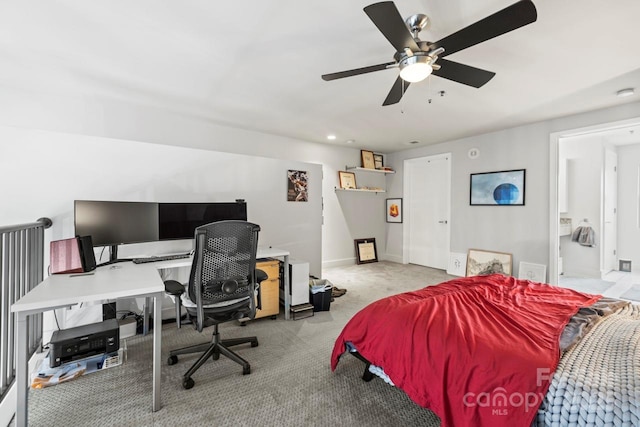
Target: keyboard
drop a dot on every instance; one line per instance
(159, 258)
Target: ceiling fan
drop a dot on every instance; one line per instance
(418, 59)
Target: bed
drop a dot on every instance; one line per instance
(499, 351)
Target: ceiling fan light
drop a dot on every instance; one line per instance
(415, 68)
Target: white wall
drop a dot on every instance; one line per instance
(629, 204)
(107, 169)
(83, 118)
(523, 231)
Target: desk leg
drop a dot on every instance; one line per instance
(22, 373)
(157, 350)
(287, 289)
(145, 316)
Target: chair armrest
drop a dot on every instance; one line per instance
(174, 287)
(260, 276)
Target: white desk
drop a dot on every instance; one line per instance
(121, 280)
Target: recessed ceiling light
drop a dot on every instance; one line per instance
(331, 137)
(625, 92)
(350, 141)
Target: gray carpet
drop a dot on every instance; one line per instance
(587, 285)
(291, 382)
(632, 294)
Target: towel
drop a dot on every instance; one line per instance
(584, 235)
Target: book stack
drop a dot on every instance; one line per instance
(301, 311)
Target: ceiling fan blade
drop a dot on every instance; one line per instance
(508, 19)
(386, 17)
(396, 92)
(356, 71)
(461, 73)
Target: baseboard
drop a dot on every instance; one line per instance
(393, 258)
(339, 262)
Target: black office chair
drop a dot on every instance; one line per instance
(222, 287)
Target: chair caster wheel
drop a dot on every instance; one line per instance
(172, 360)
(215, 356)
(274, 317)
(246, 370)
(188, 383)
(254, 343)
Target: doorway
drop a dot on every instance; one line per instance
(427, 182)
(584, 191)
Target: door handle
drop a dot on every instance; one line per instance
(442, 222)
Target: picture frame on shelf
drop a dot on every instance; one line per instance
(347, 180)
(501, 188)
(394, 210)
(378, 161)
(482, 263)
(366, 250)
(532, 272)
(368, 161)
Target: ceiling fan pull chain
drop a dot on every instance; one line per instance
(402, 98)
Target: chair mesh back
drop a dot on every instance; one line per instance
(224, 250)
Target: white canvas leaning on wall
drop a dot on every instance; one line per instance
(457, 264)
(532, 272)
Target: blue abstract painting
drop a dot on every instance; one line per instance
(498, 188)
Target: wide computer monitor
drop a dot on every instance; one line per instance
(113, 223)
(180, 220)
(116, 223)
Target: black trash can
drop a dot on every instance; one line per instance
(320, 294)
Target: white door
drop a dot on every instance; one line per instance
(609, 208)
(427, 208)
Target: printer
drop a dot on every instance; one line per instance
(83, 341)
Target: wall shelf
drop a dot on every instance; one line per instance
(359, 168)
(359, 190)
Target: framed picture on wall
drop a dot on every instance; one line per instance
(482, 263)
(394, 210)
(297, 186)
(502, 188)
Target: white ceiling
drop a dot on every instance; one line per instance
(256, 64)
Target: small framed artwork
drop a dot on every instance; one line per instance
(297, 186)
(482, 263)
(457, 264)
(502, 188)
(378, 161)
(532, 272)
(368, 161)
(366, 250)
(347, 180)
(394, 210)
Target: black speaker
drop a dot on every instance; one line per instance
(87, 256)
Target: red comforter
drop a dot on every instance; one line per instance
(478, 351)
